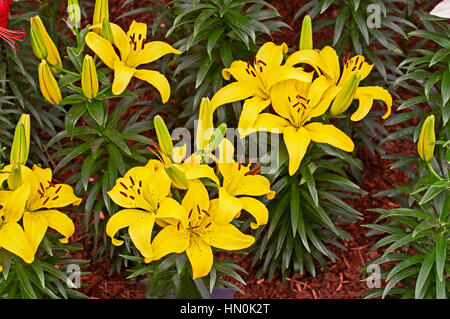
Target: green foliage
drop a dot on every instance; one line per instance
(19, 87)
(356, 28)
(212, 34)
(41, 279)
(172, 276)
(417, 242)
(427, 77)
(304, 213)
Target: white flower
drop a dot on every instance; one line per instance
(442, 9)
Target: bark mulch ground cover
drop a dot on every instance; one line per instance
(342, 279)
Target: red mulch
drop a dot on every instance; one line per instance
(340, 280)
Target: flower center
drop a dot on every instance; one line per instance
(300, 110)
(137, 44)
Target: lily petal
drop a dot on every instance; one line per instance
(170, 211)
(13, 239)
(156, 79)
(250, 111)
(297, 141)
(154, 50)
(195, 171)
(226, 237)
(326, 133)
(130, 190)
(200, 255)
(35, 227)
(254, 185)
(270, 123)
(103, 48)
(377, 93)
(140, 231)
(257, 209)
(229, 207)
(59, 222)
(122, 77)
(271, 54)
(122, 219)
(233, 92)
(170, 240)
(121, 41)
(312, 58)
(16, 204)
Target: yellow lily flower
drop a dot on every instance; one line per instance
(240, 182)
(326, 62)
(296, 104)
(200, 233)
(40, 210)
(143, 192)
(133, 53)
(254, 82)
(12, 236)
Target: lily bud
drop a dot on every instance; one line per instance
(74, 12)
(427, 136)
(89, 79)
(47, 82)
(39, 49)
(20, 146)
(205, 124)
(21, 142)
(101, 12)
(177, 176)
(164, 139)
(107, 31)
(345, 96)
(53, 56)
(306, 37)
(15, 177)
(217, 137)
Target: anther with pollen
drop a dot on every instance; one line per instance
(59, 188)
(124, 186)
(45, 201)
(207, 214)
(208, 225)
(55, 198)
(255, 170)
(124, 194)
(132, 180)
(190, 213)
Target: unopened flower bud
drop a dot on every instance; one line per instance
(39, 49)
(74, 12)
(177, 176)
(205, 125)
(89, 79)
(101, 12)
(164, 139)
(107, 31)
(306, 37)
(15, 177)
(21, 142)
(217, 137)
(345, 96)
(53, 56)
(47, 82)
(427, 136)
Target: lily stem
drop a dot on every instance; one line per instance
(62, 70)
(434, 172)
